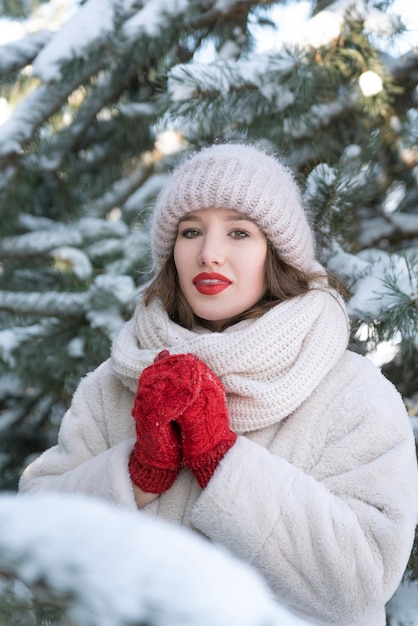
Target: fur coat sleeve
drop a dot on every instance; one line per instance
(89, 458)
(327, 513)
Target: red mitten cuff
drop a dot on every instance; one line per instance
(204, 467)
(150, 478)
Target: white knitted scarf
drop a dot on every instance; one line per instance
(268, 365)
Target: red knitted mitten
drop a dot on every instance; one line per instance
(165, 389)
(204, 426)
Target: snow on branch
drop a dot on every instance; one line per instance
(51, 303)
(403, 67)
(153, 17)
(120, 191)
(327, 25)
(263, 72)
(141, 196)
(90, 25)
(320, 116)
(107, 87)
(20, 53)
(38, 242)
(101, 303)
(33, 110)
(119, 567)
(12, 339)
(384, 289)
(223, 8)
(158, 15)
(394, 227)
(52, 235)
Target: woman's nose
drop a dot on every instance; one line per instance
(211, 252)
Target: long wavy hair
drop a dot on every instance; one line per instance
(283, 281)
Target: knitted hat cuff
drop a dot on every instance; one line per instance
(236, 177)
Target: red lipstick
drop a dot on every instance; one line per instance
(210, 284)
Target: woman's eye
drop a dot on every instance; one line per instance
(239, 234)
(190, 233)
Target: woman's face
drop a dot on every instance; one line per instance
(220, 258)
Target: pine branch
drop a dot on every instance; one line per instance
(18, 54)
(37, 107)
(57, 235)
(394, 228)
(404, 67)
(104, 303)
(120, 191)
(231, 10)
(105, 91)
(400, 312)
(50, 304)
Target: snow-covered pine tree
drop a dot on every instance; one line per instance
(81, 157)
(93, 101)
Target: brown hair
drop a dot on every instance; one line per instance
(283, 281)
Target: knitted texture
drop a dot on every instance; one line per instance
(268, 366)
(237, 177)
(163, 393)
(178, 391)
(204, 426)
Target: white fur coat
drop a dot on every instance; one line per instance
(321, 500)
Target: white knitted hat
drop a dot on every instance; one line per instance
(236, 177)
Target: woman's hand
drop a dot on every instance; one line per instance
(160, 398)
(181, 414)
(142, 498)
(204, 426)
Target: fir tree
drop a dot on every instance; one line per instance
(103, 106)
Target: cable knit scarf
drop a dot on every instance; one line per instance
(268, 366)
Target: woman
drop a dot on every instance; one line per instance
(252, 422)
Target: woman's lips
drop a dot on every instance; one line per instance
(209, 284)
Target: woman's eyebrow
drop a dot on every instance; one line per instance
(239, 218)
(189, 218)
(229, 218)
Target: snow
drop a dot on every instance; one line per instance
(105, 296)
(295, 26)
(137, 109)
(147, 190)
(122, 287)
(152, 17)
(12, 338)
(40, 241)
(185, 80)
(92, 21)
(394, 196)
(403, 607)
(75, 348)
(321, 29)
(369, 271)
(14, 53)
(220, 75)
(123, 567)
(76, 259)
(49, 235)
(321, 172)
